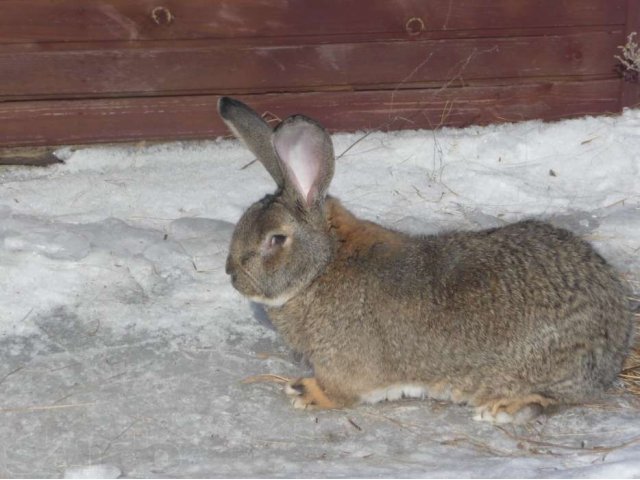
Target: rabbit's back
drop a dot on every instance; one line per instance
(531, 304)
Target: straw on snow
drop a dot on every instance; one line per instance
(630, 374)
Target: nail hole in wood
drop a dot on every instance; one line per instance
(162, 16)
(414, 26)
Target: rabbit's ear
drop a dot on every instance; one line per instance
(249, 127)
(306, 157)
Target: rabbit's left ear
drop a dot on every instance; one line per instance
(306, 157)
(248, 126)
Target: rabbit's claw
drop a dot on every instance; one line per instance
(512, 410)
(305, 393)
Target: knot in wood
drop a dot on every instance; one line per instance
(414, 26)
(162, 16)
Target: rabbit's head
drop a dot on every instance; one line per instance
(281, 243)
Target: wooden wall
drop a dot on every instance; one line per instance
(85, 71)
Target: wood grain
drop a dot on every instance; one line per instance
(25, 21)
(194, 117)
(86, 71)
(197, 67)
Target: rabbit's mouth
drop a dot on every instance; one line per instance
(247, 285)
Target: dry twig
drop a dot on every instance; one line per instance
(582, 448)
(267, 378)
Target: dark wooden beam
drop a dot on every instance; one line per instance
(194, 117)
(31, 156)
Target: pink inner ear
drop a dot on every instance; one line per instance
(302, 167)
(299, 151)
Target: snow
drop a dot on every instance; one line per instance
(123, 345)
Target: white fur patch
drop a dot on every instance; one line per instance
(272, 302)
(296, 397)
(395, 392)
(289, 390)
(437, 391)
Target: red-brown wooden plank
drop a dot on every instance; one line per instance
(206, 66)
(172, 118)
(89, 20)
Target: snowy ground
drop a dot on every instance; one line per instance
(123, 344)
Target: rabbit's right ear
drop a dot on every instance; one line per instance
(249, 127)
(306, 155)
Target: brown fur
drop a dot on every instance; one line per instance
(357, 237)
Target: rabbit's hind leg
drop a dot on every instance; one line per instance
(306, 393)
(512, 410)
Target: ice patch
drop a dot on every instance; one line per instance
(93, 471)
(60, 244)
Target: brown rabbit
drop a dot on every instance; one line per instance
(509, 320)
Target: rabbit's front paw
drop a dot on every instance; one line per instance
(306, 393)
(512, 410)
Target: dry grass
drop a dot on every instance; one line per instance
(42, 408)
(630, 374)
(629, 61)
(523, 442)
(267, 378)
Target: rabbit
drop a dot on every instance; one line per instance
(510, 320)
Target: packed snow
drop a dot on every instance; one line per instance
(123, 346)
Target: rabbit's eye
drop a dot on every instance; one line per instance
(277, 240)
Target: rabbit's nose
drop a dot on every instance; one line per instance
(229, 267)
